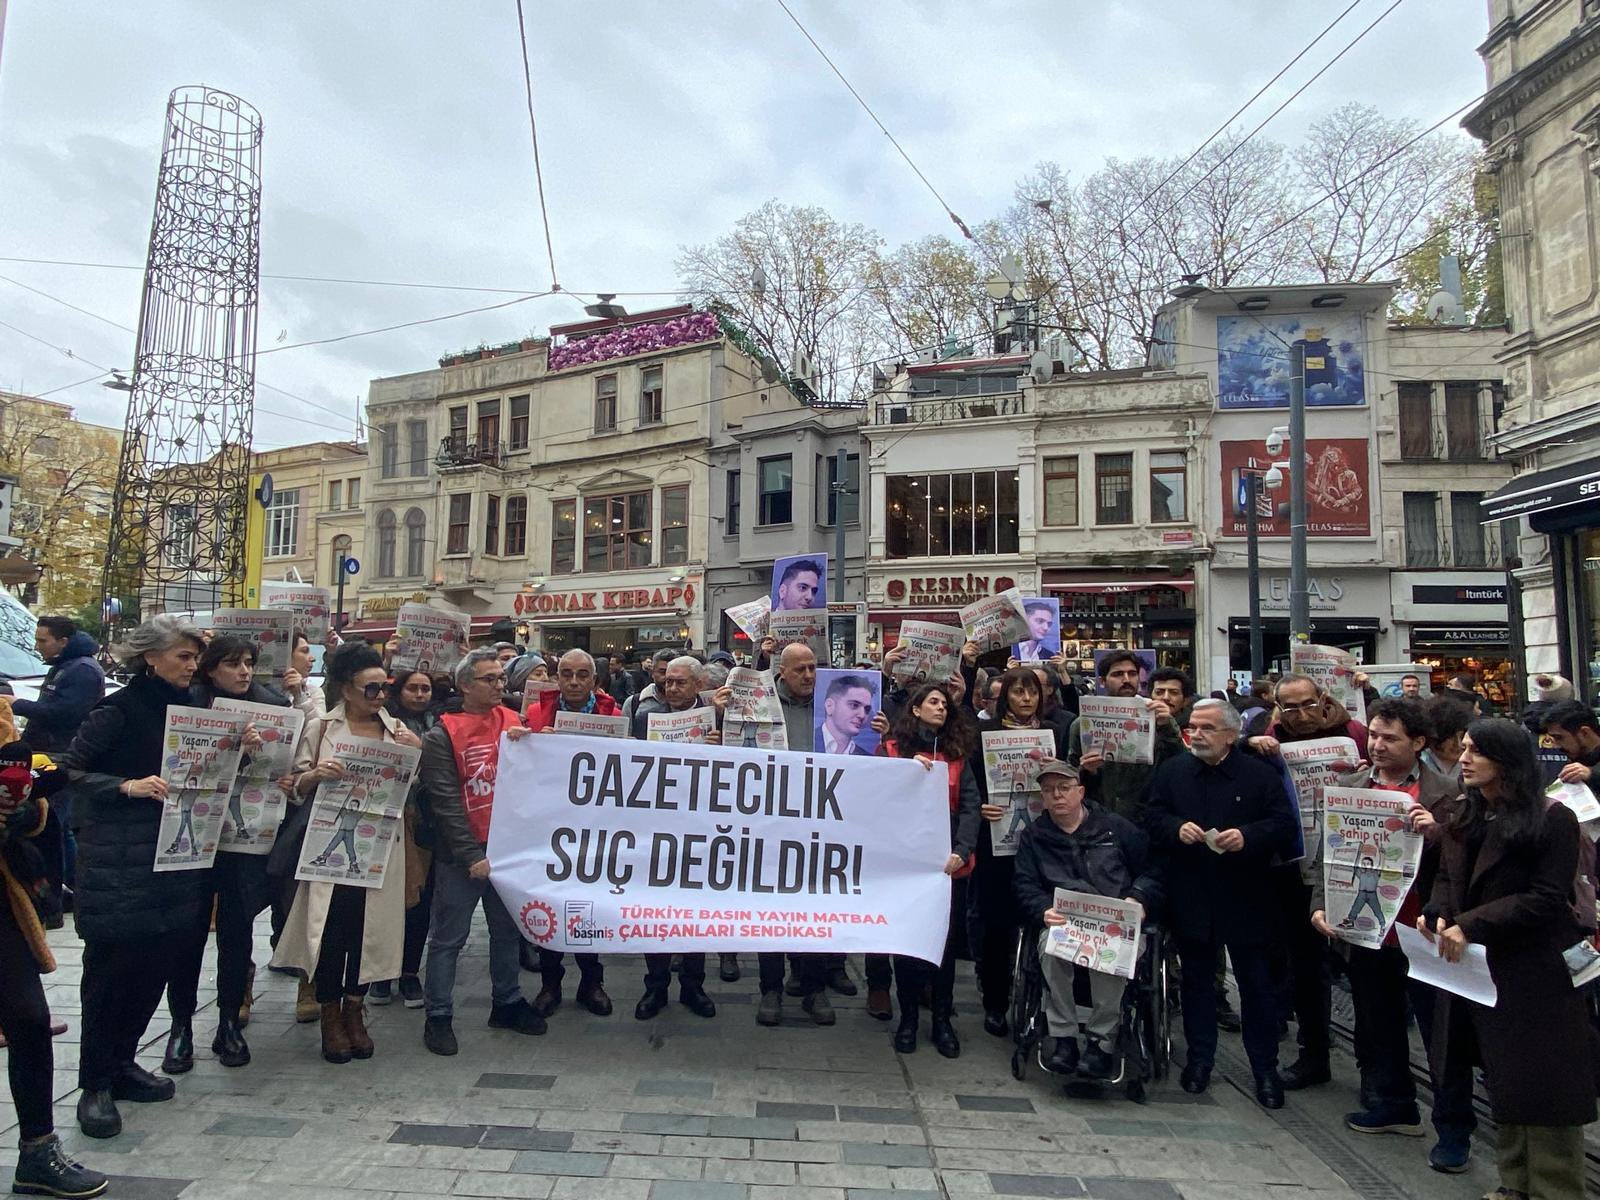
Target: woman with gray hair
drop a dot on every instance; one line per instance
(138, 926)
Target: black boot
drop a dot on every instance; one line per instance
(43, 1169)
(905, 1037)
(180, 1048)
(98, 1116)
(943, 1036)
(229, 1044)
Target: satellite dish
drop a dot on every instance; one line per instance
(1444, 309)
(1040, 367)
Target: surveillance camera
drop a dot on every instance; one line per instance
(1274, 443)
(1273, 478)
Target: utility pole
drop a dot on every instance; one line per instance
(338, 604)
(1252, 521)
(1299, 596)
(841, 462)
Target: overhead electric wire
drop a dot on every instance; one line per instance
(538, 171)
(360, 333)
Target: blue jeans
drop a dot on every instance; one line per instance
(455, 897)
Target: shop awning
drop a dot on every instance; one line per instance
(1114, 586)
(385, 626)
(1543, 491)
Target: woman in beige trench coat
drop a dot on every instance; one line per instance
(343, 937)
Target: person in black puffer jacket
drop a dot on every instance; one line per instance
(136, 923)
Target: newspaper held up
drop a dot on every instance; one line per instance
(355, 820)
(1011, 759)
(996, 622)
(1314, 766)
(256, 803)
(1101, 933)
(932, 652)
(1124, 727)
(755, 735)
(535, 690)
(430, 638)
(591, 724)
(271, 629)
(691, 725)
(312, 607)
(752, 618)
(755, 695)
(1369, 861)
(806, 625)
(199, 760)
(1334, 671)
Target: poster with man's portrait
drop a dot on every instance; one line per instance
(799, 582)
(1044, 630)
(846, 702)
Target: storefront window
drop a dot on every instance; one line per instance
(1589, 579)
(952, 514)
(616, 532)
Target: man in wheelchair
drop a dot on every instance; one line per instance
(1082, 848)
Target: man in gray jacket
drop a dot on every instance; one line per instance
(460, 757)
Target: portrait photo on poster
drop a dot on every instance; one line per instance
(1044, 630)
(799, 582)
(846, 702)
(1147, 664)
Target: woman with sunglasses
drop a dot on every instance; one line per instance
(343, 936)
(411, 703)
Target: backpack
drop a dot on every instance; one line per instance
(1583, 889)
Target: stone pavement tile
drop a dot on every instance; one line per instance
(670, 1189)
(303, 1149)
(966, 1183)
(895, 1194)
(551, 1162)
(521, 1083)
(78, 1145)
(1223, 1191)
(1006, 1104)
(706, 1147)
(653, 1166)
(329, 1172)
(1128, 1189)
(1129, 1127)
(616, 1143)
(1014, 1161)
(768, 1192)
(751, 1127)
(992, 1139)
(700, 1088)
(410, 1179)
(502, 1186)
(829, 1131)
(205, 1189)
(565, 1119)
(1035, 1185)
(877, 1155)
(465, 1158)
(261, 1127)
(601, 1189)
(877, 1115)
(796, 1112)
(733, 1170)
(1155, 1162)
(818, 1152)
(514, 1137)
(127, 1187)
(844, 1175)
(437, 1135)
(689, 1124)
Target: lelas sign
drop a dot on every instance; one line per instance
(609, 600)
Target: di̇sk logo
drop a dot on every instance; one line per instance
(538, 920)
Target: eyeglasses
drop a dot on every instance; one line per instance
(1304, 706)
(373, 690)
(496, 679)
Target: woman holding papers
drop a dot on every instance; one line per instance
(411, 703)
(137, 923)
(1507, 867)
(344, 936)
(933, 730)
(237, 881)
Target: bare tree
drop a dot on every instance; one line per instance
(929, 291)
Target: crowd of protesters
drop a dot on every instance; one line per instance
(1203, 839)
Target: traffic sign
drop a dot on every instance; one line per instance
(351, 566)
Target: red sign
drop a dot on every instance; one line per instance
(1338, 489)
(612, 600)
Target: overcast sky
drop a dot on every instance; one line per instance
(397, 146)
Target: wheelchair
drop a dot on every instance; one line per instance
(1144, 1033)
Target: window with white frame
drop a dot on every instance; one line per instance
(283, 524)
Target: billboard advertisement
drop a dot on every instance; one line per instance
(1338, 489)
(1253, 355)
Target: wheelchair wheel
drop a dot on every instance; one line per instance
(1019, 1063)
(1160, 1020)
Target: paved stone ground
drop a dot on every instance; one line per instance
(687, 1109)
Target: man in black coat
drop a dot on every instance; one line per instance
(1220, 818)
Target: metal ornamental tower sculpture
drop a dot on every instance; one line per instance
(183, 482)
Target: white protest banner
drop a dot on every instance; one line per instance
(932, 652)
(1583, 803)
(271, 629)
(755, 696)
(355, 820)
(535, 690)
(996, 622)
(1468, 978)
(1011, 759)
(752, 618)
(1124, 726)
(1314, 766)
(654, 848)
(808, 625)
(755, 735)
(591, 724)
(430, 638)
(255, 802)
(1390, 678)
(199, 759)
(1334, 671)
(312, 606)
(690, 726)
(1102, 932)
(1369, 862)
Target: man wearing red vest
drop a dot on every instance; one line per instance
(460, 756)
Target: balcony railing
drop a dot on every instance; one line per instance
(936, 410)
(456, 453)
(1479, 552)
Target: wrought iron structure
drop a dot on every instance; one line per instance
(183, 482)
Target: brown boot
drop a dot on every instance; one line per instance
(335, 1041)
(305, 1003)
(355, 1027)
